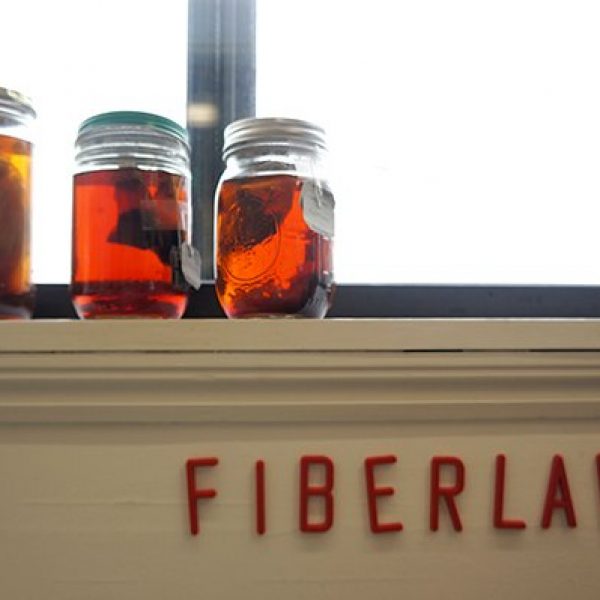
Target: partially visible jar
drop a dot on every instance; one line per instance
(274, 221)
(130, 216)
(16, 120)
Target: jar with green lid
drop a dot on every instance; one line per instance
(130, 216)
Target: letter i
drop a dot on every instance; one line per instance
(260, 497)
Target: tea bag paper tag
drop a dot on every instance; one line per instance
(191, 265)
(317, 207)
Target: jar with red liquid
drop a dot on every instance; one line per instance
(16, 290)
(130, 217)
(274, 221)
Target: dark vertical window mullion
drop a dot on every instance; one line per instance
(221, 89)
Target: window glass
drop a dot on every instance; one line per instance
(465, 135)
(76, 59)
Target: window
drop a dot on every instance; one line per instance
(464, 135)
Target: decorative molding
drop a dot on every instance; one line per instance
(120, 374)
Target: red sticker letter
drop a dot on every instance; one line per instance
(447, 492)
(194, 494)
(373, 492)
(499, 521)
(598, 469)
(260, 497)
(307, 490)
(558, 483)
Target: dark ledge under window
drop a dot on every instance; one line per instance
(383, 301)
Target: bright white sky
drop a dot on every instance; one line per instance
(78, 58)
(465, 135)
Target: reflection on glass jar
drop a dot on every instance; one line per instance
(274, 227)
(130, 217)
(16, 294)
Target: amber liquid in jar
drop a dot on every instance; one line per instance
(16, 297)
(269, 261)
(128, 225)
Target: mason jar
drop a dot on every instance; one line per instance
(16, 290)
(274, 221)
(130, 216)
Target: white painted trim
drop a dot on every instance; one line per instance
(306, 335)
(97, 421)
(282, 371)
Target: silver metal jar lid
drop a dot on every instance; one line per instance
(14, 102)
(247, 132)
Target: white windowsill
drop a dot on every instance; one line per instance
(343, 335)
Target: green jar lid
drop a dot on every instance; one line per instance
(131, 117)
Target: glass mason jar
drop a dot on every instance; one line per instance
(16, 119)
(274, 221)
(130, 216)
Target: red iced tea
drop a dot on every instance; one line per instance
(128, 227)
(269, 261)
(16, 298)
